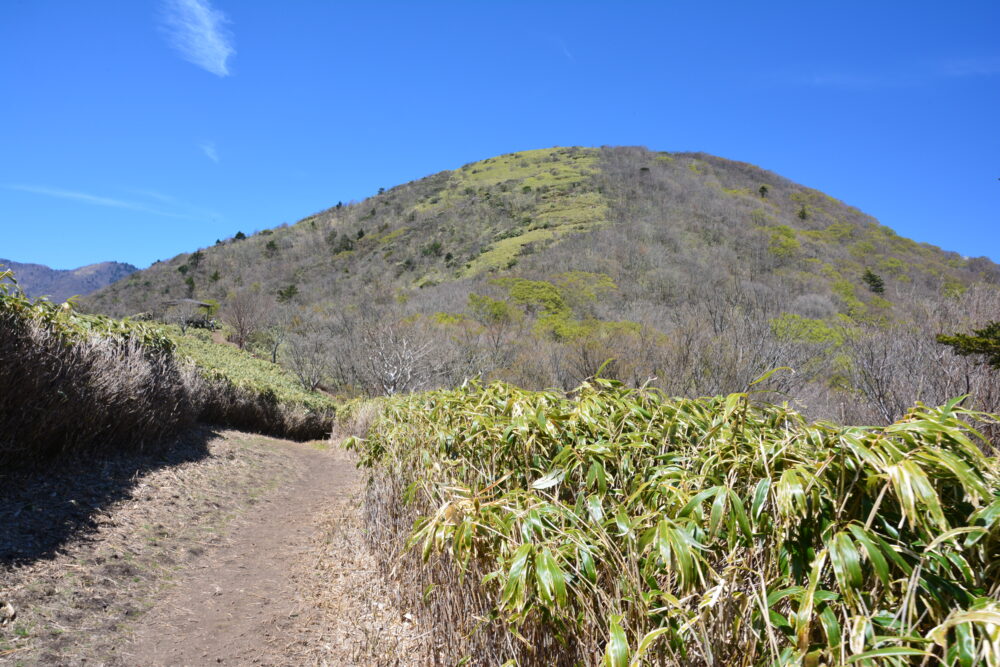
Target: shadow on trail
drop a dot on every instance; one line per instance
(41, 509)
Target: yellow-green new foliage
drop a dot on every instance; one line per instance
(254, 394)
(635, 528)
(219, 361)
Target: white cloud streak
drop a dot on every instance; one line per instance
(917, 75)
(966, 67)
(198, 32)
(210, 151)
(94, 200)
(565, 50)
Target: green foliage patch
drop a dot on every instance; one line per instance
(229, 364)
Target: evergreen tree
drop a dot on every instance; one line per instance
(874, 281)
(984, 341)
(288, 293)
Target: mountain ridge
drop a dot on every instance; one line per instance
(59, 284)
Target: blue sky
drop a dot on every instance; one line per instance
(137, 130)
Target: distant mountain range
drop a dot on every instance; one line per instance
(60, 284)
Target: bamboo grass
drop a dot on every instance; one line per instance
(622, 527)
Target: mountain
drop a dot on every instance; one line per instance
(60, 284)
(540, 266)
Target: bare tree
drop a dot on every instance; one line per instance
(274, 330)
(308, 357)
(399, 359)
(245, 311)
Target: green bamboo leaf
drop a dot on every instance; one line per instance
(587, 564)
(790, 494)
(950, 534)
(831, 627)
(550, 580)
(733, 402)
(776, 596)
(780, 622)
(887, 652)
(874, 553)
(803, 617)
(985, 516)
(645, 643)
(940, 633)
(740, 513)
(697, 500)
(513, 594)
(549, 479)
(846, 563)
(718, 511)
(965, 644)
(759, 497)
(595, 508)
(765, 376)
(616, 654)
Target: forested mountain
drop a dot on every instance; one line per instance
(60, 284)
(693, 272)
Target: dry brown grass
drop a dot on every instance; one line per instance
(349, 613)
(94, 393)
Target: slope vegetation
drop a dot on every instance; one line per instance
(538, 267)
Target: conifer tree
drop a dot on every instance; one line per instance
(985, 341)
(874, 281)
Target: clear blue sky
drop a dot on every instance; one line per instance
(135, 130)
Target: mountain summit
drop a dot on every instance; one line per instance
(538, 267)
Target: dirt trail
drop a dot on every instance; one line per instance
(237, 604)
(244, 550)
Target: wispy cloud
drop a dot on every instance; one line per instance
(97, 200)
(198, 32)
(917, 75)
(208, 148)
(565, 49)
(965, 67)
(153, 194)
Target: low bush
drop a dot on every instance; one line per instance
(617, 526)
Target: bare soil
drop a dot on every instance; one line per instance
(228, 549)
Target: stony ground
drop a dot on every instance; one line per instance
(229, 548)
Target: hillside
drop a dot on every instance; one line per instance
(60, 284)
(537, 267)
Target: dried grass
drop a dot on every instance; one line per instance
(96, 393)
